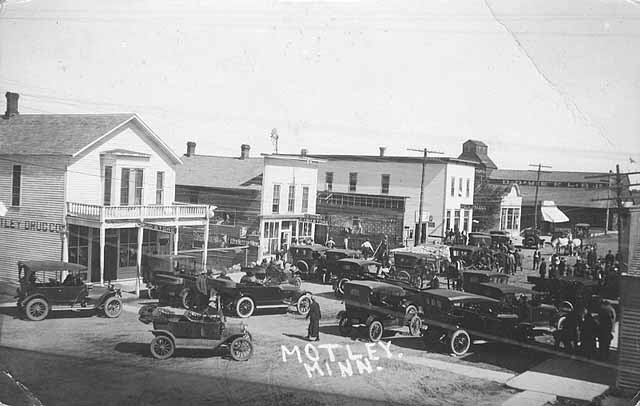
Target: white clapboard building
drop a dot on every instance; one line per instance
(96, 190)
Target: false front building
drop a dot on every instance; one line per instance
(96, 190)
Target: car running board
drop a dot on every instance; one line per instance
(272, 306)
(75, 308)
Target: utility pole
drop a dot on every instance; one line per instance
(425, 151)
(535, 210)
(606, 220)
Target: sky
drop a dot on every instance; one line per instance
(555, 82)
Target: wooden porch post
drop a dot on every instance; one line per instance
(139, 260)
(102, 253)
(176, 236)
(206, 242)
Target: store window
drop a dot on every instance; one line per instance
(160, 188)
(305, 230)
(384, 180)
(291, 202)
(328, 180)
(78, 245)
(305, 199)
(16, 185)
(448, 221)
(466, 219)
(456, 220)
(510, 218)
(353, 181)
(275, 206)
(271, 234)
(108, 175)
(128, 247)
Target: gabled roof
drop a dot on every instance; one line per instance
(220, 172)
(65, 134)
(55, 134)
(557, 176)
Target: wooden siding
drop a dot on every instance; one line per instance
(85, 173)
(31, 231)
(629, 337)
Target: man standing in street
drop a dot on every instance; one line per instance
(607, 318)
(536, 259)
(543, 268)
(314, 316)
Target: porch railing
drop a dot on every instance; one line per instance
(195, 211)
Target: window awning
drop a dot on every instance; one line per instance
(552, 214)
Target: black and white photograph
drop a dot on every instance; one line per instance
(320, 202)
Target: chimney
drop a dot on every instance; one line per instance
(191, 148)
(244, 151)
(303, 152)
(382, 150)
(12, 104)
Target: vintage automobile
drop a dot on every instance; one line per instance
(332, 257)
(531, 238)
(274, 275)
(171, 278)
(53, 285)
(309, 259)
(582, 231)
(475, 276)
(349, 269)
(544, 318)
(567, 292)
(178, 328)
(480, 239)
(418, 269)
(470, 255)
(243, 299)
(377, 306)
(456, 318)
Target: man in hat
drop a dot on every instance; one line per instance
(314, 315)
(607, 318)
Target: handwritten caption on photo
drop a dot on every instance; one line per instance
(342, 359)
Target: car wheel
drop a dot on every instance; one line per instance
(113, 307)
(344, 326)
(560, 323)
(459, 343)
(162, 347)
(375, 331)
(417, 283)
(302, 266)
(297, 282)
(404, 276)
(245, 307)
(187, 299)
(304, 305)
(415, 326)
(411, 309)
(340, 286)
(37, 309)
(241, 349)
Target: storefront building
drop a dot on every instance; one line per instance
(96, 190)
(288, 203)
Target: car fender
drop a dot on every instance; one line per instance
(167, 333)
(106, 295)
(232, 337)
(370, 320)
(33, 296)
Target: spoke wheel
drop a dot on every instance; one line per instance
(304, 305)
(460, 342)
(241, 349)
(37, 309)
(415, 326)
(245, 307)
(113, 307)
(375, 331)
(187, 299)
(297, 282)
(162, 347)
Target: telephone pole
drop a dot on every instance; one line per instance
(425, 151)
(535, 210)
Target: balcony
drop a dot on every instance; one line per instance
(124, 213)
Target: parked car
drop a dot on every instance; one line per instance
(377, 306)
(456, 318)
(273, 275)
(531, 238)
(171, 278)
(349, 269)
(190, 329)
(474, 276)
(332, 257)
(243, 299)
(480, 239)
(567, 292)
(418, 269)
(544, 318)
(47, 286)
(309, 259)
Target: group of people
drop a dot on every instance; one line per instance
(456, 237)
(588, 266)
(587, 335)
